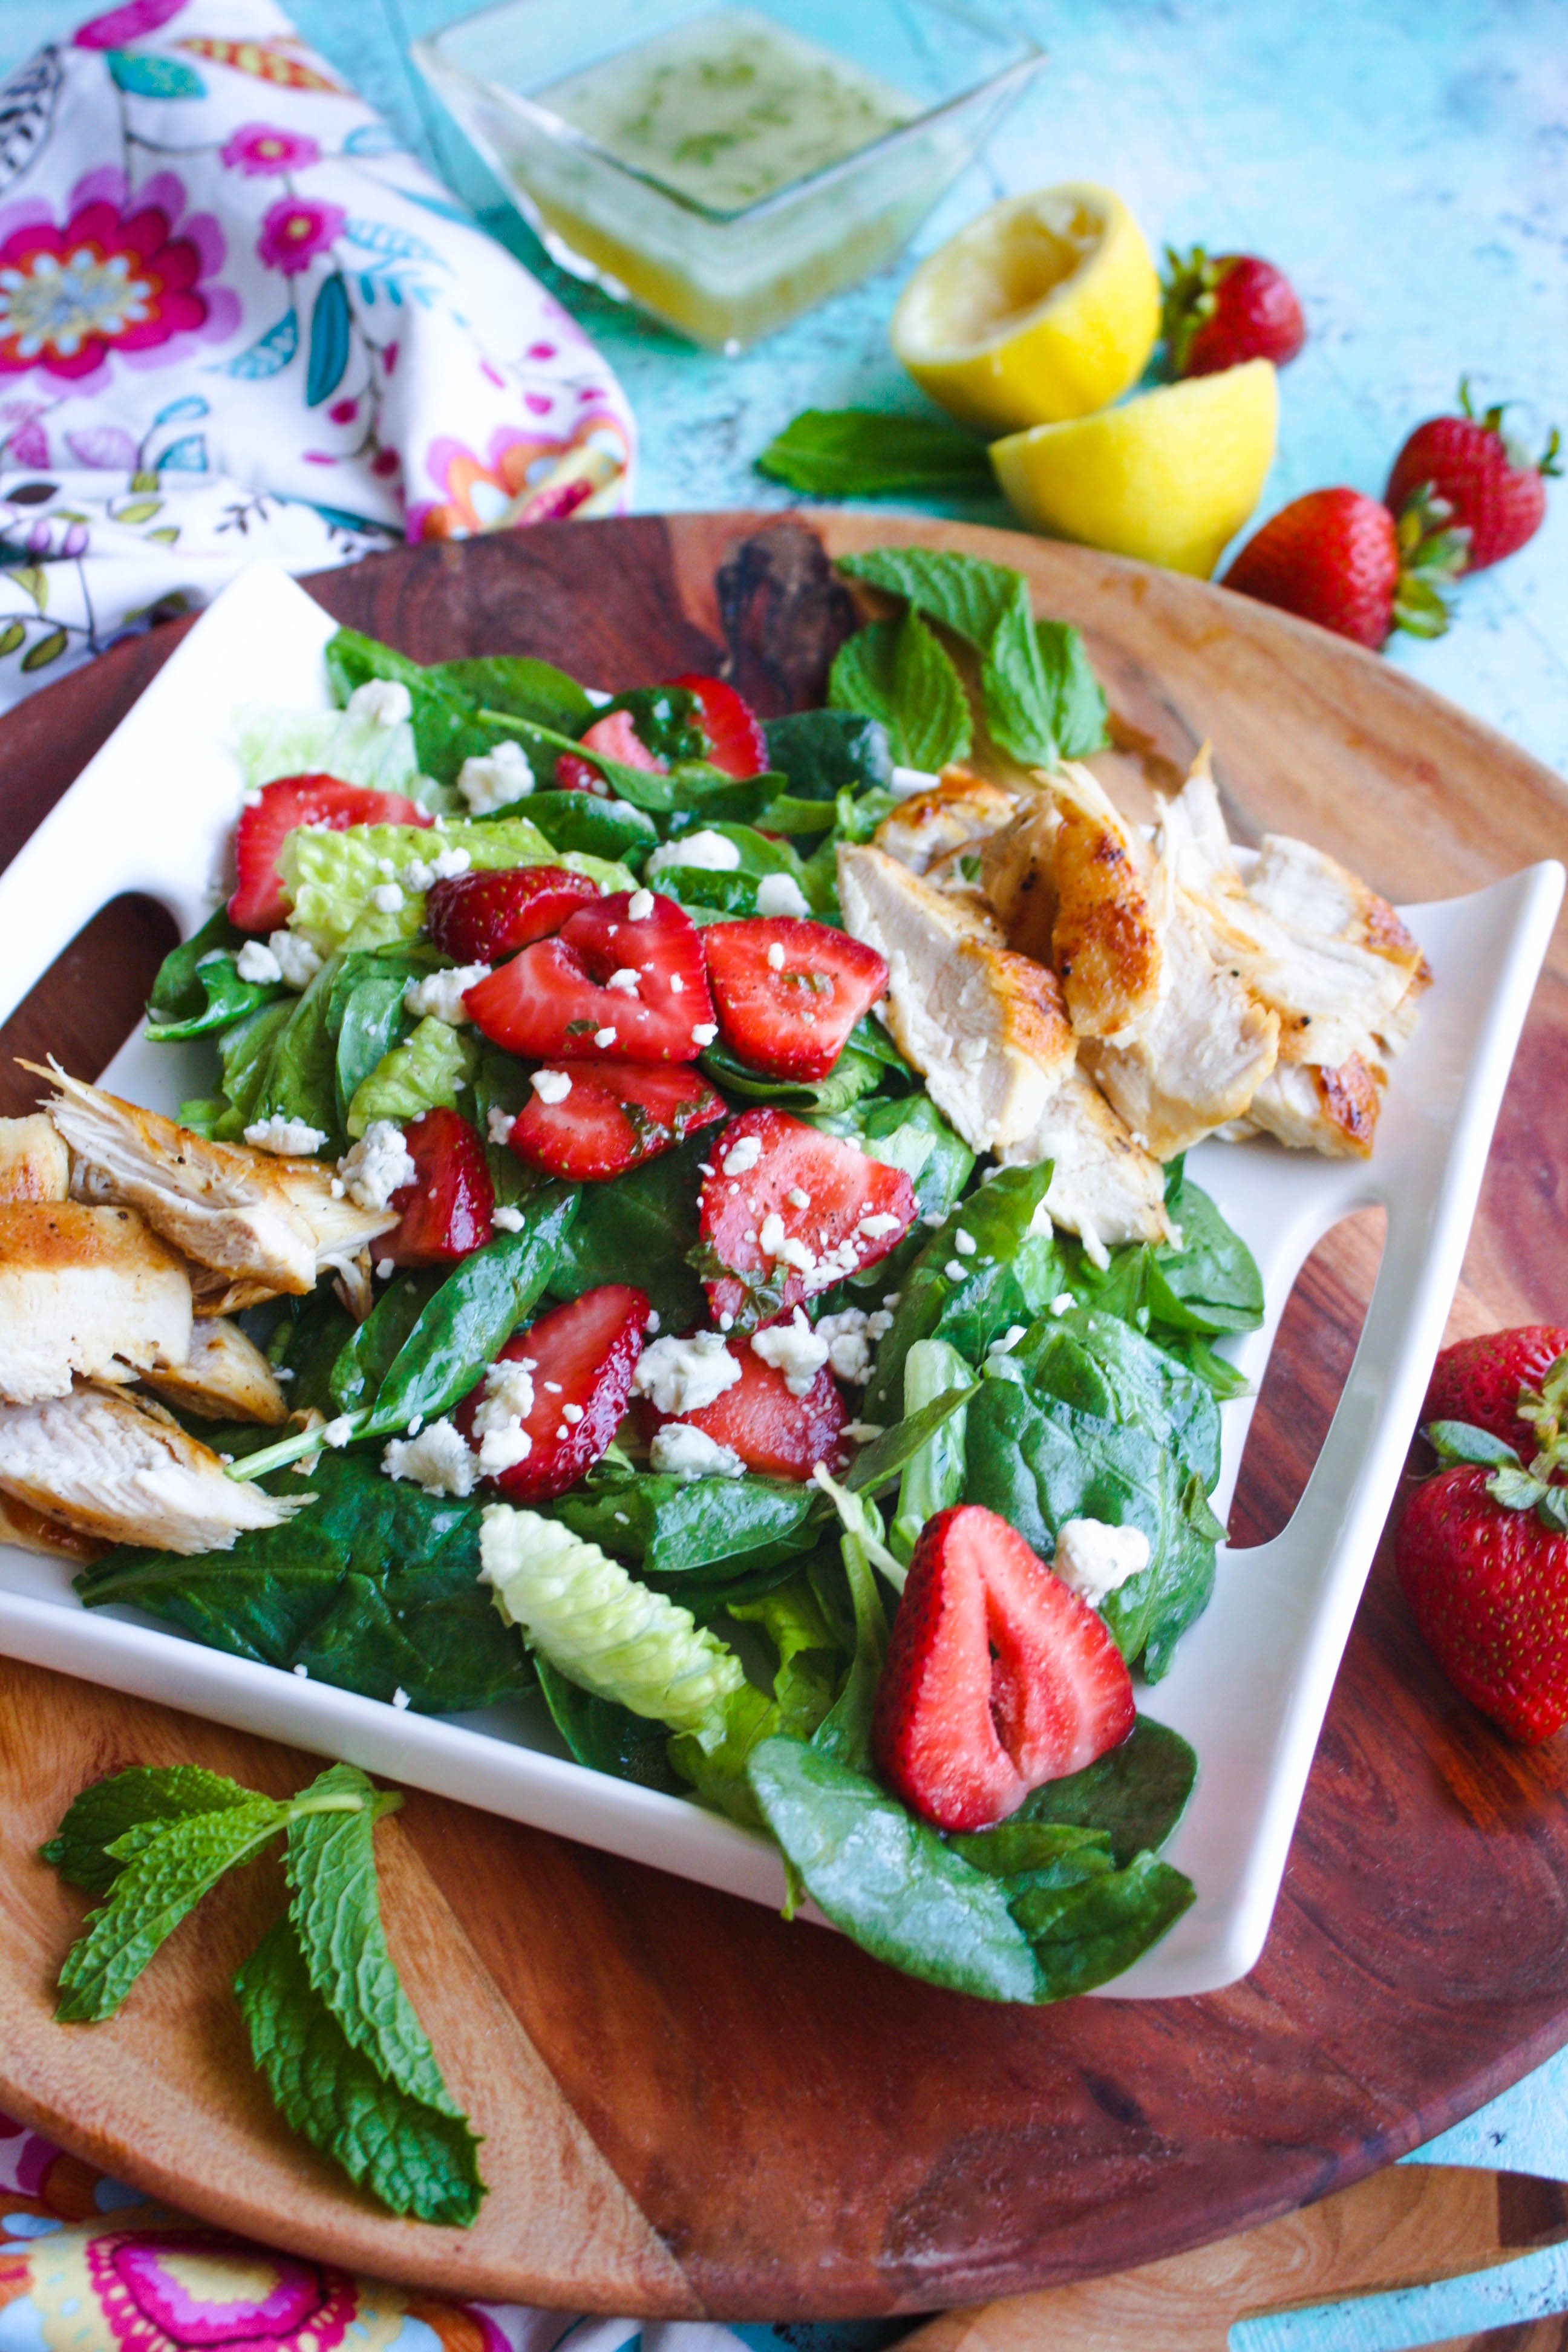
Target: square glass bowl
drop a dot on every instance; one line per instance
(727, 270)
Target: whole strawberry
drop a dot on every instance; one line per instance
(1482, 1556)
(1493, 488)
(1222, 310)
(1493, 1382)
(1339, 558)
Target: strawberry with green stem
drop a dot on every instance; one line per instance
(1490, 489)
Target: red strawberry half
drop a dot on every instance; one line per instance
(1491, 489)
(1338, 558)
(612, 1115)
(997, 1678)
(445, 1212)
(789, 1211)
(735, 740)
(618, 739)
(787, 993)
(258, 904)
(580, 1360)
(479, 917)
(1479, 1381)
(609, 983)
(780, 1435)
(1223, 310)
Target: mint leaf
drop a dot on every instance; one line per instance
(1078, 711)
(897, 671)
(839, 453)
(415, 2157)
(104, 1812)
(162, 1881)
(965, 592)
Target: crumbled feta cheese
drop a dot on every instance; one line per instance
(684, 1375)
(676, 985)
(779, 894)
(1063, 1303)
(550, 1085)
(379, 1165)
(704, 1033)
(498, 1424)
(905, 782)
(651, 1326)
(678, 1451)
(338, 1433)
(1007, 1342)
(420, 873)
(438, 1460)
(507, 1219)
(964, 1242)
(878, 1324)
(1094, 1559)
(953, 1270)
(640, 906)
(775, 956)
(603, 1038)
(848, 1339)
(629, 979)
(441, 993)
(862, 1432)
(387, 898)
(708, 851)
(400, 1696)
(303, 1671)
(1094, 1249)
(257, 963)
(290, 1138)
(499, 1125)
(798, 1197)
(572, 1413)
(597, 696)
(502, 776)
(742, 1155)
(795, 1349)
(770, 1239)
(384, 867)
(874, 1227)
(386, 1268)
(298, 960)
(385, 701)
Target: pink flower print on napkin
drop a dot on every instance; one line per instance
(131, 23)
(260, 150)
(123, 275)
(295, 231)
(524, 477)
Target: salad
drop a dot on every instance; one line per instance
(690, 1221)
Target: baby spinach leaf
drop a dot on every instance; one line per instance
(971, 1296)
(644, 1220)
(448, 729)
(371, 1347)
(311, 1336)
(876, 1465)
(808, 1652)
(245, 1052)
(367, 1013)
(581, 821)
(517, 684)
(106, 1810)
(1136, 1793)
(1020, 1847)
(678, 1527)
(1102, 1366)
(934, 1475)
(1086, 1934)
(604, 1735)
(374, 1589)
(844, 1732)
(853, 1074)
(820, 753)
(415, 2158)
(897, 671)
(1212, 1283)
(198, 988)
(887, 1879)
(863, 453)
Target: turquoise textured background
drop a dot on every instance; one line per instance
(1407, 161)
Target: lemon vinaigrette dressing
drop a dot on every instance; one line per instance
(724, 111)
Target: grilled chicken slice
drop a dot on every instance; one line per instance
(118, 1467)
(225, 1377)
(32, 1530)
(88, 1291)
(1313, 1110)
(988, 1032)
(1175, 1041)
(33, 1162)
(259, 1224)
(962, 808)
(1018, 877)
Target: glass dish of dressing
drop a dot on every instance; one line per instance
(726, 168)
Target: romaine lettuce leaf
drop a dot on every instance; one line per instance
(427, 1071)
(329, 876)
(274, 743)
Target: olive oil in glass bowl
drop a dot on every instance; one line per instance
(726, 168)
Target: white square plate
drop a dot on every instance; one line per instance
(153, 813)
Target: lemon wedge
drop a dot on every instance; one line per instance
(1169, 476)
(1046, 307)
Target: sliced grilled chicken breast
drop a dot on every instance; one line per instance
(33, 1162)
(225, 1377)
(88, 1291)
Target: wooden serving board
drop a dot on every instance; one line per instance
(690, 2106)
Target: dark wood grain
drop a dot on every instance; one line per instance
(805, 2132)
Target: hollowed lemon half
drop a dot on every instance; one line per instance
(1169, 476)
(1045, 308)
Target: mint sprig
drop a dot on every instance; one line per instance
(863, 453)
(332, 2029)
(899, 672)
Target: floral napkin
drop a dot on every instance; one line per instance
(236, 319)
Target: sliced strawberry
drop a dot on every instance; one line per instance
(555, 1001)
(787, 1248)
(735, 740)
(782, 1436)
(258, 904)
(479, 917)
(997, 1678)
(618, 739)
(581, 1358)
(614, 1114)
(787, 992)
(446, 1210)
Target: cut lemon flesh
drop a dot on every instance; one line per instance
(1046, 307)
(1169, 477)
